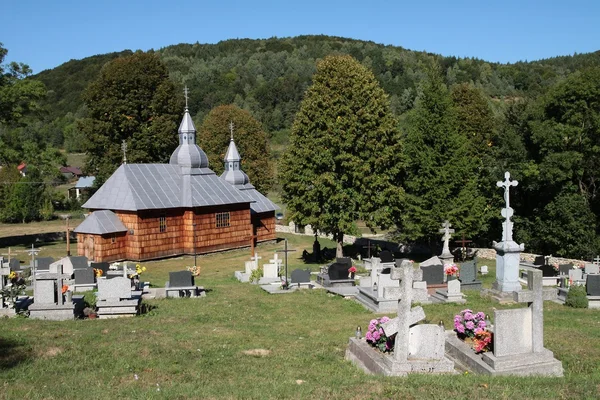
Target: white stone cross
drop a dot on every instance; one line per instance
(596, 260)
(446, 238)
(255, 259)
(507, 212)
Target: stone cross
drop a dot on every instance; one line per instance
(33, 252)
(507, 212)
(534, 297)
(276, 260)
(255, 259)
(596, 260)
(406, 316)
(446, 231)
(4, 271)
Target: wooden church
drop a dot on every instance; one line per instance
(148, 211)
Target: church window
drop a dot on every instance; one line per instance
(163, 223)
(222, 220)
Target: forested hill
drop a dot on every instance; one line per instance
(268, 77)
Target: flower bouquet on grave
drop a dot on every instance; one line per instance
(285, 285)
(138, 271)
(472, 327)
(352, 271)
(98, 272)
(451, 270)
(195, 270)
(15, 288)
(377, 338)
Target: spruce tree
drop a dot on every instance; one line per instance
(342, 163)
(441, 179)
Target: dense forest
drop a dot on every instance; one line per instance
(539, 119)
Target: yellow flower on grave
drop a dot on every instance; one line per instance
(12, 275)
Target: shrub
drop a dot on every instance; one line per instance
(577, 297)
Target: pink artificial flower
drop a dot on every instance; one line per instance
(480, 315)
(383, 320)
(369, 337)
(459, 328)
(376, 335)
(481, 325)
(470, 325)
(468, 316)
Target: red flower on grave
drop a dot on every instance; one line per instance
(352, 269)
(65, 288)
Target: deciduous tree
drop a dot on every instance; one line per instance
(343, 162)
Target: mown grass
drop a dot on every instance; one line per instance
(194, 348)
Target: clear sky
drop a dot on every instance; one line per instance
(45, 34)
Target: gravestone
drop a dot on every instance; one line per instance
(468, 275)
(539, 260)
(277, 261)
(592, 285)
(181, 284)
(451, 294)
(85, 278)
(386, 257)
(42, 264)
(548, 271)
(4, 272)
(417, 348)
(575, 274)
(49, 301)
(103, 266)
(115, 298)
(518, 340)
(300, 277)
(271, 271)
(433, 275)
(564, 269)
(484, 270)
(592, 269)
(337, 274)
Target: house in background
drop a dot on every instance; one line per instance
(148, 211)
(71, 172)
(83, 186)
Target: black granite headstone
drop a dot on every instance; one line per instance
(337, 271)
(539, 260)
(181, 279)
(84, 276)
(468, 272)
(344, 260)
(564, 268)
(592, 285)
(386, 257)
(301, 276)
(103, 266)
(548, 270)
(433, 274)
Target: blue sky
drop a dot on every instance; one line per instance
(45, 34)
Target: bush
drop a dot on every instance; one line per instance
(577, 297)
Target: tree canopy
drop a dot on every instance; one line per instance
(132, 100)
(342, 162)
(250, 139)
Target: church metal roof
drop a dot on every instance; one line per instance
(136, 187)
(261, 202)
(101, 222)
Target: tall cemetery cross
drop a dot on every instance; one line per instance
(33, 252)
(463, 243)
(194, 229)
(68, 230)
(507, 212)
(446, 231)
(252, 238)
(286, 251)
(368, 247)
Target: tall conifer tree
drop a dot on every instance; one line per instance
(342, 162)
(441, 179)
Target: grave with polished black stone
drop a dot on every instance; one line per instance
(337, 274)
(592, 285)
(85, 279)
(563, 269)
(181, 284)
(42, 264)
(102, 266)
(433, 274)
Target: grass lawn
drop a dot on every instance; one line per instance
(240, 342)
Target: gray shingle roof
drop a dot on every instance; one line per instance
(158, 186)
(261, 203)
(101, 222)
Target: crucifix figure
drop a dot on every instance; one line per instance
(286, 251)
(446, 238)
(124, 148)
(507, 212)
(185, 93)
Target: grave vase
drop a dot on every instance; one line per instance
(451, 277)
(352, 274)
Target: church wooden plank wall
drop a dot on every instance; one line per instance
(144, 240)
(264, 226)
